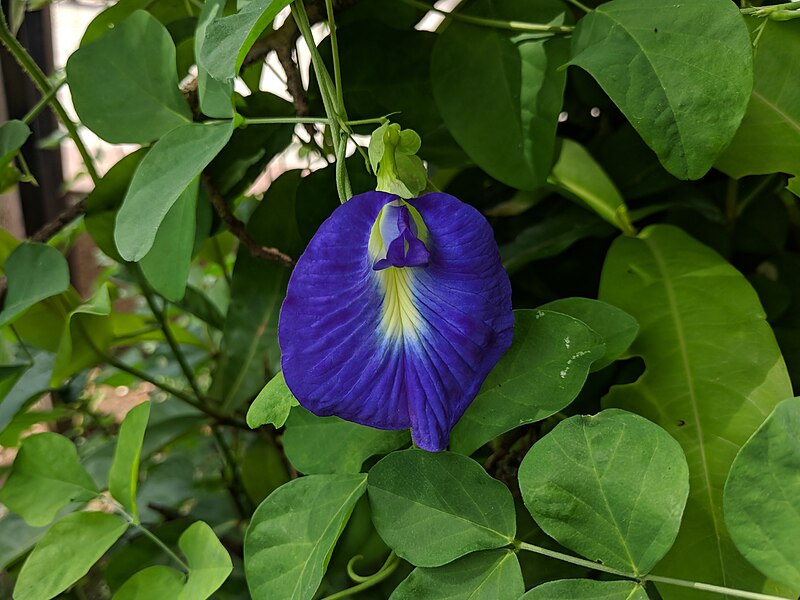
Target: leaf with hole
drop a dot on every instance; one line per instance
(541, 373)
(713, 374)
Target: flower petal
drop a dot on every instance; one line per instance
(397, 347)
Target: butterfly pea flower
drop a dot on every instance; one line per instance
(395, 314)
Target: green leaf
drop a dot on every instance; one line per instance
(103, 202)
(153, 583)
(263, 469)
(31, 384)
(432, 508)
(486, 575)
(66, 553)
(617, 328)
(331, 445)
(511, 80)
(768, 140)
(23, 290)
(21, 424)
(16, 539)
(250, 338)
(124, 473)
(578, 175)
(166, 265)
(46, 476)
(13, 134)
(228, 39)
(165, 172)
(215, 96)
(272, 405)
(709, 355)
(85, 338)
(611, 487)
(680, 72)
(209, 562)
(541, 373)
(587, 589)
(551, 236)
(761, 496)
(292, 534)
(141, 100)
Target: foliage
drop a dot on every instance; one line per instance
(638, 440)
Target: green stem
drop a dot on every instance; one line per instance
(392, 562)
(43, 101)
(335, 113)
(238, 494)
(171, 341)
(180, 395)
(337, 71)
(495, 23)
(284, 120)
(706, 587)
(580, 5)
(39, 79)
(158, 542)
(764, 11)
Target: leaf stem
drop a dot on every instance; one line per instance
(284, 120)
(765, 11)
(388, 567)
(153, 537)
(158, 313)
(43, 101)
(706, 587)
(497, 23)
(337, 71)
(39, 79)
(580, 5)
(334, 110)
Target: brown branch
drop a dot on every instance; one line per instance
(238, 228)
(67, 216)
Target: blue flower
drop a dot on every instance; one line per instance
(395, 314)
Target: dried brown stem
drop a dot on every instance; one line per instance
(238, 228)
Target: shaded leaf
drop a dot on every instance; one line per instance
(331, 445)
(292, 534)
(28, 387)
(215, 96)
(541, 373)
(768, 140)
(23, 290)
(432, 508)
(13, 134)
(511, 80)
(680, 72)
(46, 476)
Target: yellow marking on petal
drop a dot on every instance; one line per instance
(400, 318)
